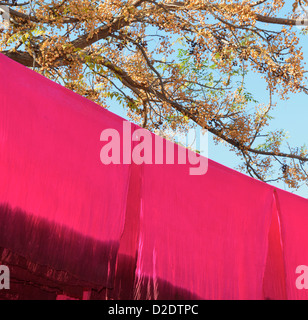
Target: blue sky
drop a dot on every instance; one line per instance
(290, 115)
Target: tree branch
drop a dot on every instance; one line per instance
(273, 20)
(19, 56)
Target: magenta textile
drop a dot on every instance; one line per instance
(74, 228)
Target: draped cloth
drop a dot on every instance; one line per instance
(72, 227)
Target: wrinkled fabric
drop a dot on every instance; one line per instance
(201, 238)
(274, 282)
(293, 211)
(72, 227)
(59, 206)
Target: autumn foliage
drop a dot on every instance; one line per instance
(175, 64)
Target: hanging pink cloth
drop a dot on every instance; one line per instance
(59, 206)
(202, 236)
(74, 228)
(293, 212)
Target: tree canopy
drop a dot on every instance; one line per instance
(175, 64)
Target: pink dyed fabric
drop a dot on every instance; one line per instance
(79, 229)
(293, 213)
(202, 237)
(59, 205)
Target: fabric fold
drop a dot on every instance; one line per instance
(293, 213)
(274, 281)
